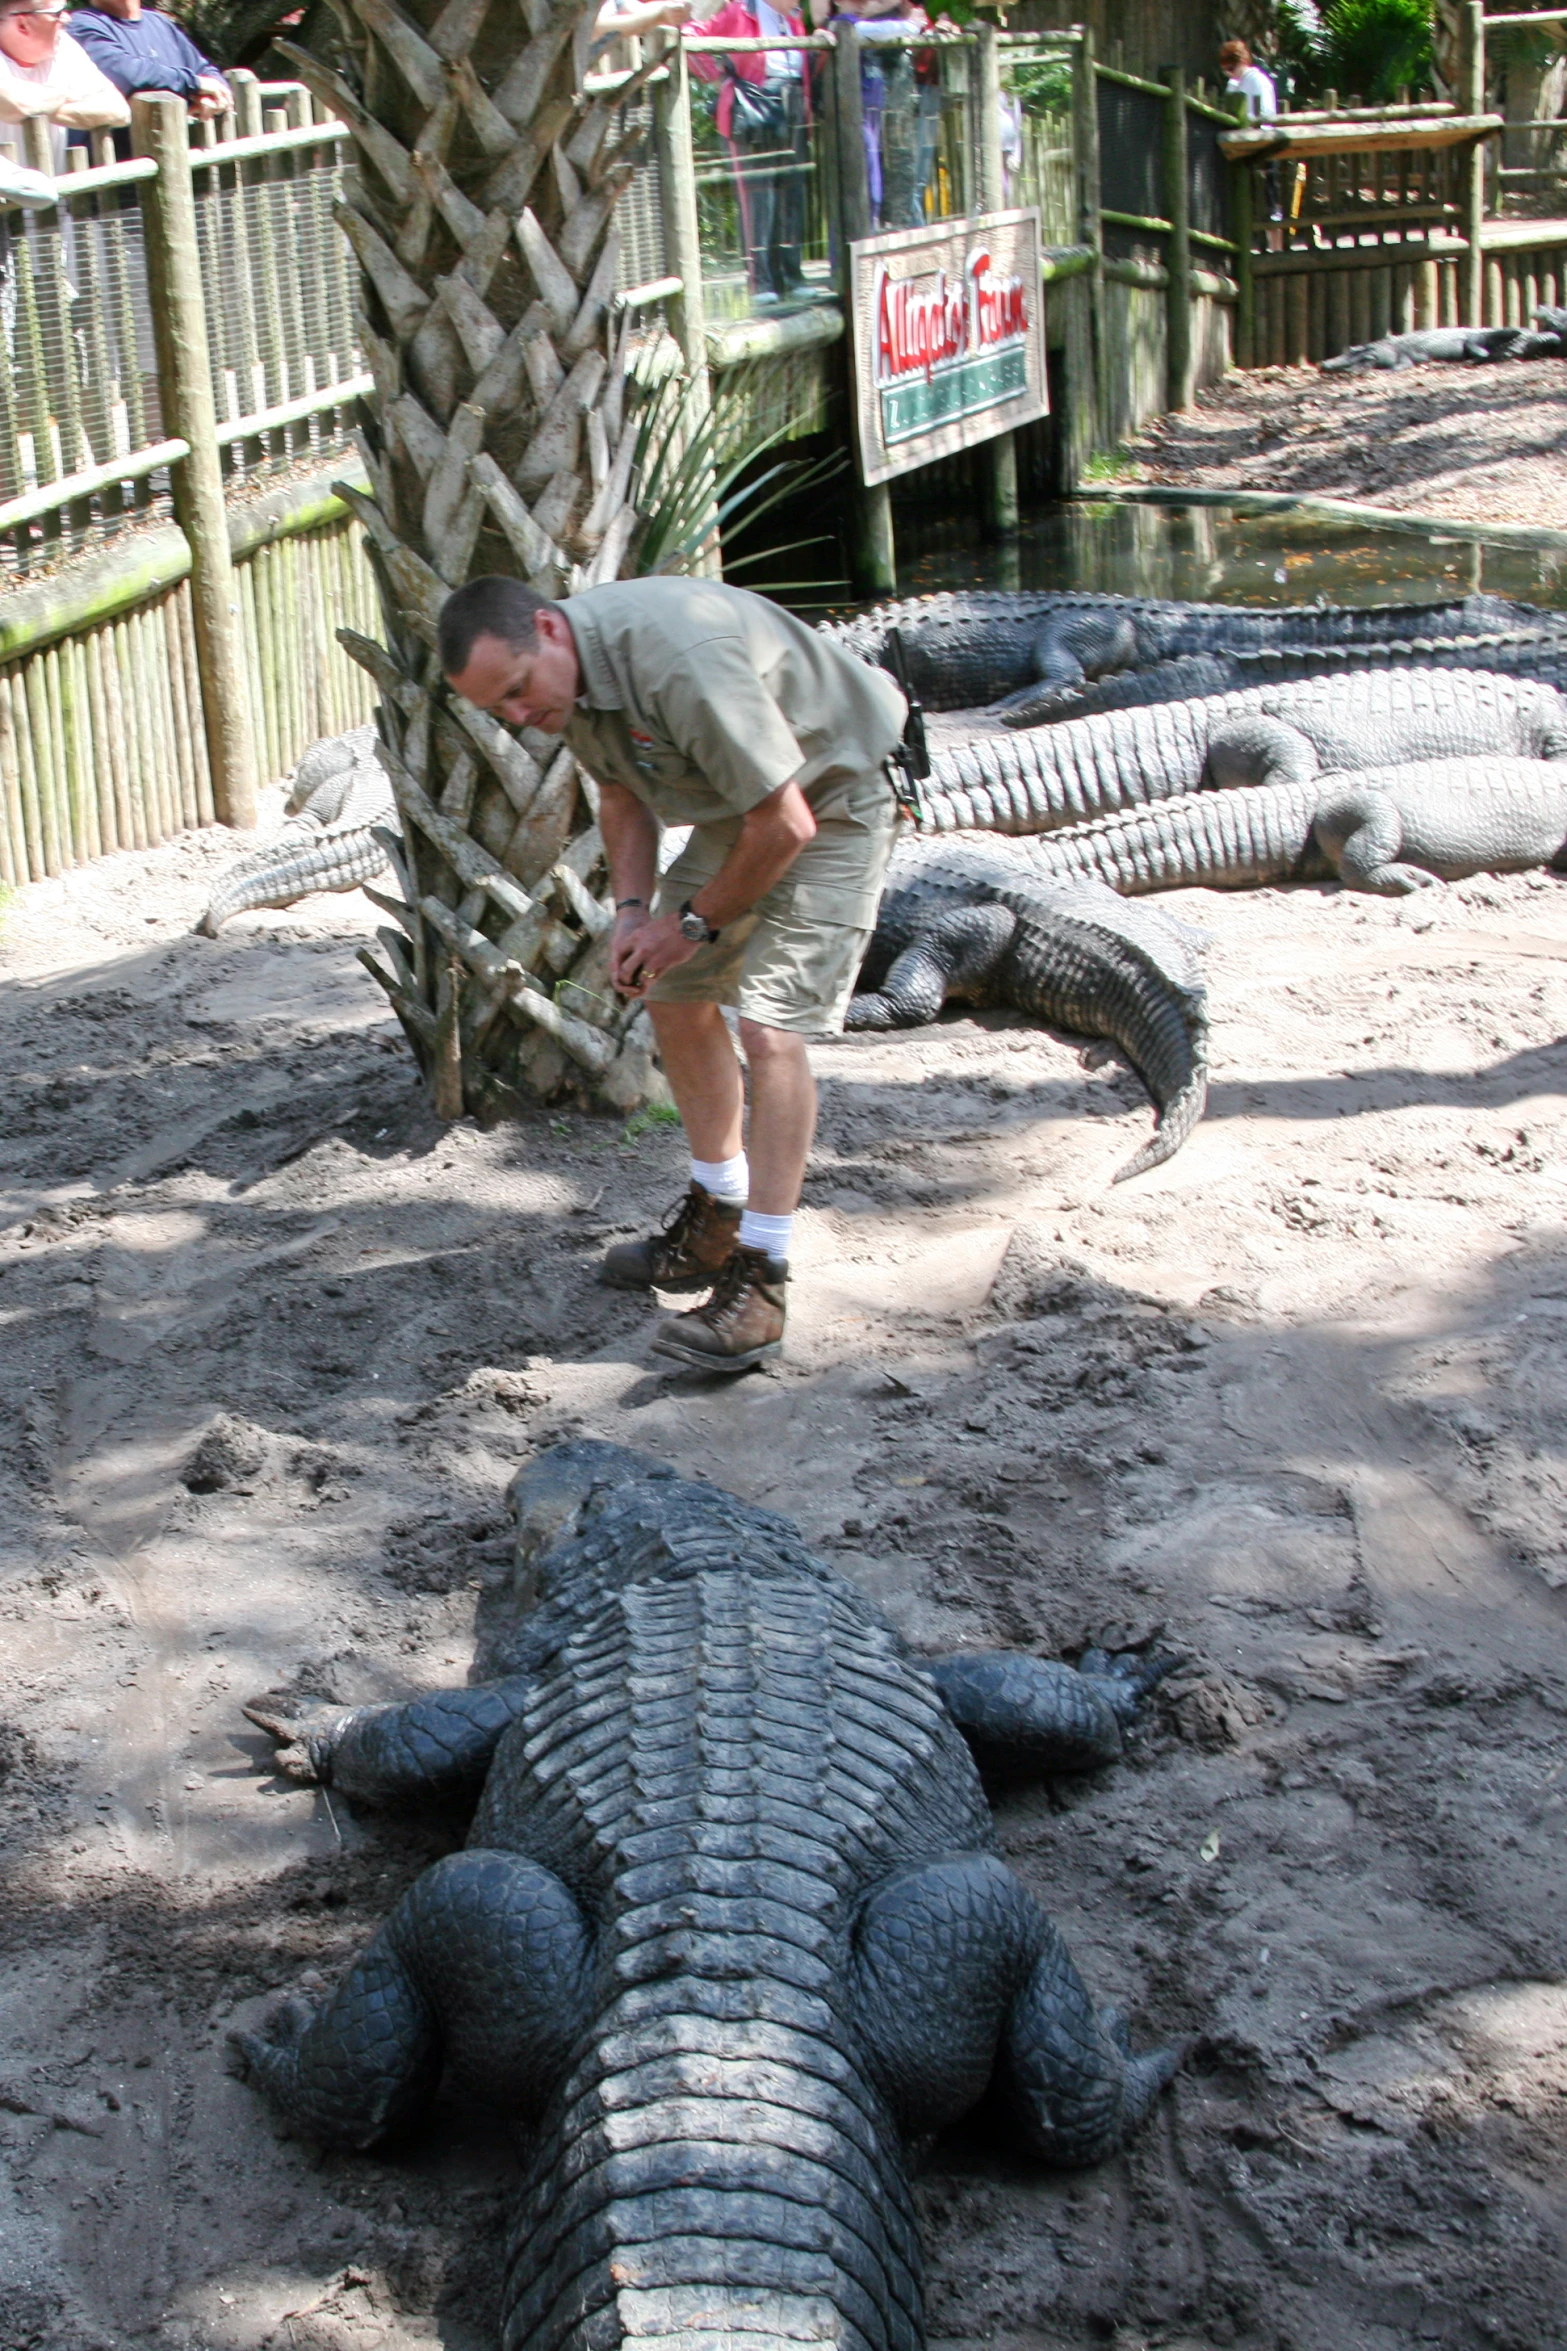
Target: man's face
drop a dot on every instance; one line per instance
(526, 685)
(28, 35)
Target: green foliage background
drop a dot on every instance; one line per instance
(1368, 49)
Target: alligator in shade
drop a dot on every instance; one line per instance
(1028, 653)
(1465, 346)
(1390, 830)
(1539, 653)
(730, 1933)
(1035, 782)
(339, 797)
(969, 917)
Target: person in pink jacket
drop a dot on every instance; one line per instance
(763, 109)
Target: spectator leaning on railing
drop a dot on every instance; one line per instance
(44, 73)
(141, 49)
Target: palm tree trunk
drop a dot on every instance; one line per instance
(481, 207)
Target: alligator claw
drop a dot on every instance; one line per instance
(294, 1723)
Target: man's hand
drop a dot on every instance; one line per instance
(645, 947)
(213, 96)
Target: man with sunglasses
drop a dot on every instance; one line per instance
(45, 75)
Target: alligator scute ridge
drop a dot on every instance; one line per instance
(965, 915)
(1389, 830)
(339, 794)
(1275, 733)
(1028, 653)
(730, 1929)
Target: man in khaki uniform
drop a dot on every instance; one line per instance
(695, 704)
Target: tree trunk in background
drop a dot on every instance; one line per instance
(481, 208)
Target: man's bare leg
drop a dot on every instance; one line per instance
(704, 1076)
(742, 1324)
(783, 1116)
(691, 1249)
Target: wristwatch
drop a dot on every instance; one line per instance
(696, 926)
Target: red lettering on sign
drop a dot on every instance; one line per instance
(923, 323)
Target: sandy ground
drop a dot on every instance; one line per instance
(1476, 444)
(273, 1345)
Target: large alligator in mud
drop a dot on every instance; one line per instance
(339, 801)
(730, 1932)
(1389, 830)
(1033, 783)
(1030, 654)
(968, 917)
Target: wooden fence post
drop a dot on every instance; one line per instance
(1241, 229)
(1471, 100)
(1178, 257)
(874, 552)
(1085, 143)
(998, 456)
(179, 316)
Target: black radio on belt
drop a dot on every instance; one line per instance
(910, 762)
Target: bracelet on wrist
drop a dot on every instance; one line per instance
(622, 903)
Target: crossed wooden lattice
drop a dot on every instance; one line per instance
(498, 438)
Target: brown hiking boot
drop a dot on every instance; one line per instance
(742, 1323)
(689, 1250)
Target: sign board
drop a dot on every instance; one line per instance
(949, 338)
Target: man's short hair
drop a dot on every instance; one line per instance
(493, 607)
(1235, 56)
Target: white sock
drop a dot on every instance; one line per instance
(766, 1232)
(726, 1179)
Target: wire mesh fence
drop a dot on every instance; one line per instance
(78, 380)
(84, 447)
(279, 285)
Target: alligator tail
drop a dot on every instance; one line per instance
(1231, 840)
(1052, 776)
(713, 2179)
(300, 859)
(1177, 1118)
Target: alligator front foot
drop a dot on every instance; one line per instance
(306, 1729)
(1033, 1714)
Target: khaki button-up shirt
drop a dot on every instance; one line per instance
(703, 700)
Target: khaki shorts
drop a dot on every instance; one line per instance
(791, 963)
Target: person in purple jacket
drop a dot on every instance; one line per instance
(139, 48)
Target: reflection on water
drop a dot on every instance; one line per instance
(1214, 555)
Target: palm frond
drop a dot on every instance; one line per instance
(695, 464)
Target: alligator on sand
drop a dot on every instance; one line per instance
(730, 1932)
(339, 797)
(968, 917)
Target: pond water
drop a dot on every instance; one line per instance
(1215, 555)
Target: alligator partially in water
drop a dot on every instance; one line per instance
(730, 1932)
(970, 917)
(1389, 830)
(1028, 654)
(1053, 776)
(1539, 653)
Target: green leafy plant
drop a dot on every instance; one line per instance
(644, 1122)
(695, 463)
(1370, 49)
(1109, 465)
(1044, 85)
